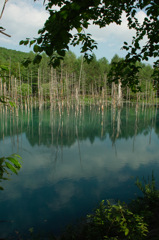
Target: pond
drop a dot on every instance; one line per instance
(72, 159)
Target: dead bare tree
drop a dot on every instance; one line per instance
(1, 28)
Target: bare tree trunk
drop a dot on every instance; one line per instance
(118, 123)
(21, 99)
(80, 76)
(105, 89)
(119, 94)
(51, 86)
(1, 87)
(20, 89)
(4, 89)
(77, 99)
(31, 100)
(39, 94)
(67, 89)
(28, 93)
(61, 80)
(83, 86)
(15, 90)
(113, 94)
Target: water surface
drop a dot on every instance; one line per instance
(72, 159)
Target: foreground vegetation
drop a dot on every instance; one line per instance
(138, 220)
(9, 165)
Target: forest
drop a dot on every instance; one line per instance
(73, 80)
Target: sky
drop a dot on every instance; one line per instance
(23, 18)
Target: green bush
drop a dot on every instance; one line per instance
(137, 221)
(116, 222)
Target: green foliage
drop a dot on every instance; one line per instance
(24, 90)
(57, 35)
(93, 76)
(5, 100)
(148, 188)
(9, 165)
(127, 72)
(138, 220)
(116, 222)
(155, 74)
(3, 70)
(148, 205)
(46, 89)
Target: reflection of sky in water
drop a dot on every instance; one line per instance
(57, 185)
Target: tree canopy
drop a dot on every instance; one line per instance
(68, 20)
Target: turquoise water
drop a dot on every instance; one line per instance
(72, 159)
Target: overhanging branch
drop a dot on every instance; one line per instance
(1, 28)
(3, 8)
(1, 31)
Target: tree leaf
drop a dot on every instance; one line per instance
(37, 59)
(11, 167)
(79, 29)
(126, 231)
(36, 48)
(12, 104)
(15, 162)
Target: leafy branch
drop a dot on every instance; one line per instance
(9, 165)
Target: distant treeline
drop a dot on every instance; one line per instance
(74, 78)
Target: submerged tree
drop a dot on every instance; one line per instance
(57, 35)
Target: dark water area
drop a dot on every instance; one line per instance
(72, 159)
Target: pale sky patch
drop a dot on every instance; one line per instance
(21, 19)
